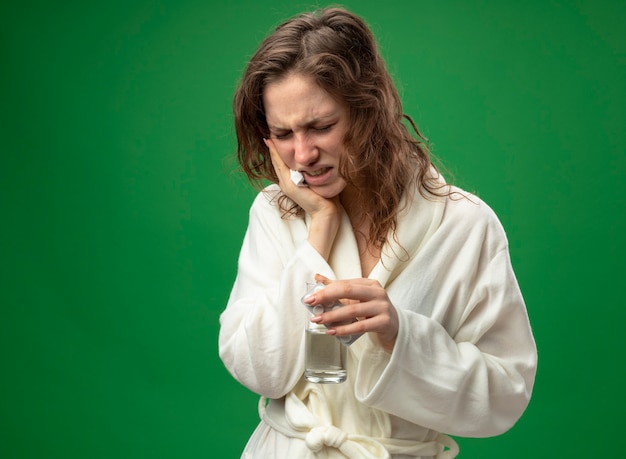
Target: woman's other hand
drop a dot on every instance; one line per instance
(364, 299)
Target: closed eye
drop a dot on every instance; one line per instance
(284, 135)
(323, 128)
(281, 135)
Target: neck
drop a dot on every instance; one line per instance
(352, 202)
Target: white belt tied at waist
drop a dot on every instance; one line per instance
(353, 446)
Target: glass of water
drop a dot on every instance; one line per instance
(325, 356)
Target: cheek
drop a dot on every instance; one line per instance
(330, 147)
(335, 144)
(285, 153)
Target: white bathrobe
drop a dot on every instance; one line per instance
(463, 363)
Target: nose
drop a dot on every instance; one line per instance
(305, 151)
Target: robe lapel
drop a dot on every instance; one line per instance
(416, 223)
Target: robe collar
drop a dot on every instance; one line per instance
(417, 221)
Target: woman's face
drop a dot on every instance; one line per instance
(307, 127)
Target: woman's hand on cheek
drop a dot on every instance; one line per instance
(306, 198)
(325, 215)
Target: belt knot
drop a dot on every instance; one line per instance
(318, 437)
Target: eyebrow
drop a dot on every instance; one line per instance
(309, 123)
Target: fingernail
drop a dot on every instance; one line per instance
(316, 319)
(309, 299)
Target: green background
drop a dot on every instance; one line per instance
(122, 211)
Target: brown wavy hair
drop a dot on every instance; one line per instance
(338, 50)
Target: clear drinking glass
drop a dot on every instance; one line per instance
(325, 356)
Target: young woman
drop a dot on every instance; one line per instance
(447, 346)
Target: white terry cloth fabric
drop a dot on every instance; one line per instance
(464, 360)
(293, 418)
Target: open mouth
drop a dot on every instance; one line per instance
(318, 172)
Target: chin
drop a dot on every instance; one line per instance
(329, 192)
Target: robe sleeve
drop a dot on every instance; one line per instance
(467, 367)
(261, 338)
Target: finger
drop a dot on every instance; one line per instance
(383, 324)
(354, 328)
(323, 279)
(351, 311)
(376, 324)
(269, 143)
(386, 338)
(364, 281)
(357, 280)
(348, 291)
(277, 162)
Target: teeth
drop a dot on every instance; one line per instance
(318, 172)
